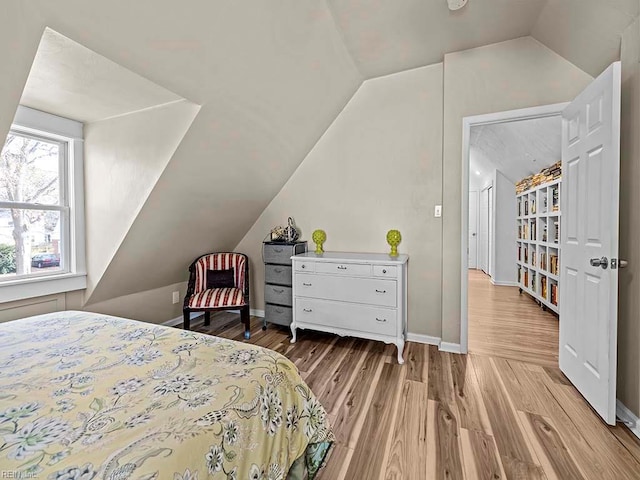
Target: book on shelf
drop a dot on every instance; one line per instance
(543, 260)
(533, 281)
(533, 207)
(544, 232)
(526, 255)
(543, 286)
(533, 231)
(556, 233)
(554, 293)
(526, 278)
(553, 264)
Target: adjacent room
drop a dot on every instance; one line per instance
(514, 225)
(320, 240)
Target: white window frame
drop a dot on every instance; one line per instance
(74, 275)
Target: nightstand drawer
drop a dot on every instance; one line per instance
(277, 294)
(278, 274)
(278, 314)
(355, 269)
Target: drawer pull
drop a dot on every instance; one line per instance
(308, 310)
(278, 290)
(340, 267)
(279, 310)
(384, 270)
(306, 284)
(278, 250)
(303, 266)
(278, 270)
(381, 291)
(381, 319)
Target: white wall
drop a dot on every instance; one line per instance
(124, 157)
(503, 225)
(376, 168)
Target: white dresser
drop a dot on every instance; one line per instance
(356, 294)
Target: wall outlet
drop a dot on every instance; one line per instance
(176, 297)
(438, 211)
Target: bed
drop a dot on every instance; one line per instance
(86, 396)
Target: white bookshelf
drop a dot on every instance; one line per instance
(538, 241)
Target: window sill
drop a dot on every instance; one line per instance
(22, 289)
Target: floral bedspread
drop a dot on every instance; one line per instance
(86, 396)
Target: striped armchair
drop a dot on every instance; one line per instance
(202, 297)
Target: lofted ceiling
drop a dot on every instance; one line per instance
(74, 82)
(387, 37)
(269, 79)
(517, 149)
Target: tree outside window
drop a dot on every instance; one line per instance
(31, 205)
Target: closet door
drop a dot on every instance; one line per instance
(490, 232)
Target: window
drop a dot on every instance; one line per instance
(41, 215)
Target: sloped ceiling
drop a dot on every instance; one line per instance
(270, 77)
(517, 149)
(74, 82)
(390, 36)
(586, 32)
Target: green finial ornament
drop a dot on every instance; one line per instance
(394, 238)
(319, 237)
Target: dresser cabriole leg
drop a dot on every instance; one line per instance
(293, 333)
(400, 345)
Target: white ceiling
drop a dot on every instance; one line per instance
(586, 32)
(517, 149)
(72, 81)
(390, 36)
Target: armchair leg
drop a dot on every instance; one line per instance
(186, 324)
(246, 319)
(207, 319)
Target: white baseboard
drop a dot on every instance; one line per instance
(504, 284)
(628, 418)
(178, 320)
(450, 347)
(426, 339)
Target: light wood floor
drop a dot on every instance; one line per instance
(509, 324)
(446, 416)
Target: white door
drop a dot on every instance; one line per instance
(473, 229)
(589, 232)
(483, 244)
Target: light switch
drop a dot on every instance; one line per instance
(438, 211)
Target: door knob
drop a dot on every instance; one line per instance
(622, 263)
(599, 262)
(473, 234)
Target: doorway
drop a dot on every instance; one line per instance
(504, 318)
(584, 290)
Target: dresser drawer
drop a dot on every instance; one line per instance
(280, 274)
(277, 294)
(384, 271)
(278, 314)
(373, 291)
(356, 269)
(304, 266)
(362, 318)
(276, 253)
